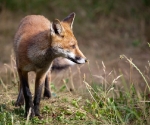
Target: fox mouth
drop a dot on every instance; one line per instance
(70, 56)
(77, 60)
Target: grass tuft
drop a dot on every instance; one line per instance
(108, 99)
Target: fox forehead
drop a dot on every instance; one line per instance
(69, 36)
(67, 29)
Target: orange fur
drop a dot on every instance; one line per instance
(37, 43)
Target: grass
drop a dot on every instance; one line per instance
(104, 101)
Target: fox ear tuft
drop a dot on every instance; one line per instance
(56, 27)
(70, 19)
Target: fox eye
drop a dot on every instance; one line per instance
(73, 46)
(62, 36)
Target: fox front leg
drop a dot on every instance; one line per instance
(26, 92)
(40, 80)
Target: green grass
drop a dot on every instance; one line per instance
(103, 102)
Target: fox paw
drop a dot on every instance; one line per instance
(47, 94)
(19, 103)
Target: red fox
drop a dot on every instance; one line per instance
(37, 43)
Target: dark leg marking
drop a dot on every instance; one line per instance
(27, 93)
(47, 92)
(20, 98)
(37, 99)
(40, 81)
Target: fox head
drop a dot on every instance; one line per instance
(64, 43)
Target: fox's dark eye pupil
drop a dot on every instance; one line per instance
(73, 46)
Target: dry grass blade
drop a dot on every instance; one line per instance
(115, 80)
(123, 56)
(28, 117)
(89, 88)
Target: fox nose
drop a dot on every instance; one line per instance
(86, 60)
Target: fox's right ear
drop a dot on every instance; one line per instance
(70, 19)
(56, 28)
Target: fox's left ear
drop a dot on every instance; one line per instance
(70, 19)
(56, 28)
